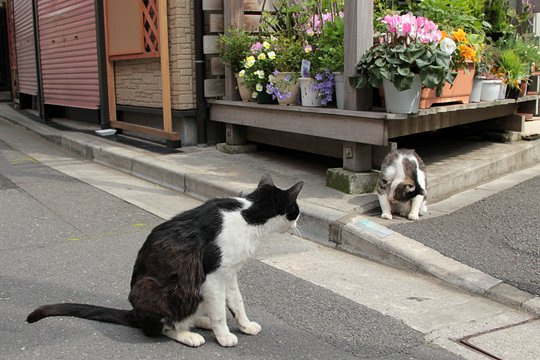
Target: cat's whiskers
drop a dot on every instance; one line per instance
(298, 232)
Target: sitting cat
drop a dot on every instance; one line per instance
(402, 185)
(185, 272)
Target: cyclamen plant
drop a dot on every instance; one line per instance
(412, 45)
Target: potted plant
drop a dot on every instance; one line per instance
(412, 52)
(258, 68)
(284, 84)
(234, 46)
(464, 59)
(515, 71)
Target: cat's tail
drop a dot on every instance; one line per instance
(91, 312)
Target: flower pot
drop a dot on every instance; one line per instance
(265, 98)
(289, 88)
(339, 78)
(523, 87)
(245, 93)
(459, 92)
(502, 91)
(402, 102)
(490, 90)
(476, 89)
(513, 93)
(310, 97)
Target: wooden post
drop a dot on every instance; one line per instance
(358, 38)
(164, 61)
(111, 86)
(233, 16)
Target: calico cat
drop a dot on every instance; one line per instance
(402, 185)
(185, 272)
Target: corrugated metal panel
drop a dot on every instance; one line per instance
(25, 46)
(68, 48)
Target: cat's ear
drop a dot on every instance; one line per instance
(295, 190)
(266, 180)
(410, 187)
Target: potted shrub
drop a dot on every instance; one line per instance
(411, 53)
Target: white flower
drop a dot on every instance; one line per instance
(259, 87)
(242, 73)
(271, 78)
(448, 46)
(254, 94)
(271, 55)
(260, 74)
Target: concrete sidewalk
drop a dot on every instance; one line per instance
(328, 216)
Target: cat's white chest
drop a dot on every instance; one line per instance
(237, 240)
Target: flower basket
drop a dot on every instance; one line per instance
(459, 92)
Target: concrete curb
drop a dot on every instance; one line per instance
(351, 232)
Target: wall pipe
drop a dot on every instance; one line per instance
(201, 114)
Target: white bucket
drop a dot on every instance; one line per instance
(502, 91)
(490, 90)
(476, 89)
(340, 90)
(402, 102)
(309, 96)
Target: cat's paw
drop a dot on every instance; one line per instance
(251, 328)
(203, 322)
(413, 217)
(386, 216)
(227, 340)
(188, 338)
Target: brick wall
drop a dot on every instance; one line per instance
(138, 82)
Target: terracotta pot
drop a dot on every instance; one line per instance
(523, 88)
(459, 92)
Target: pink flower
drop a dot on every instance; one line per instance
(392, 22)
(256, 47)
(308, 49)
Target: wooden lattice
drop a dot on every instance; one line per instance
(150, 24)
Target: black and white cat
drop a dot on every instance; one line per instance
(185, 272)
(402, 185)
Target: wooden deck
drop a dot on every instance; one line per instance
(344, 133)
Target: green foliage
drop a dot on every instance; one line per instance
(524, 46)
(289, 54)
(513, 67)
(234, 47)
(330, 46)
(288, 19)
(497, 15)
(453, 14)
(398, 63)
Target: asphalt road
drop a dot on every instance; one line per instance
(499, 235)
(62, 240)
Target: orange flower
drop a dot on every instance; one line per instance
(459, 35)
(467, 52)
(444, 35)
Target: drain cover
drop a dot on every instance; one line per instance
(516, 342)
